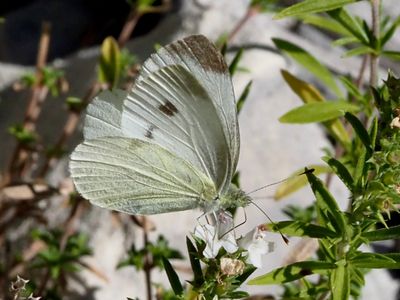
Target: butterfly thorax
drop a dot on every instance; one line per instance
(234, 197)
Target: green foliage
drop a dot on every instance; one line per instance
(157, 253)
(213, 280)
(22, 135)
(109, 70)
(60, 259)
(366, 159)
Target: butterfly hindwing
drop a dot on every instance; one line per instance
(137, 177)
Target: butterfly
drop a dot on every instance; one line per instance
(169, 144)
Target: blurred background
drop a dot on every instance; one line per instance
(36, 207)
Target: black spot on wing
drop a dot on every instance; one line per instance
(149, 132)
(168, 108)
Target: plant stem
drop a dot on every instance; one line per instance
(39, 93)
(251, 11)
(147, 263)
(374, 62)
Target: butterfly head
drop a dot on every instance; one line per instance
(234, 197)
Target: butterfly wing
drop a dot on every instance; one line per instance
(137, 177)
(206, 64)
(171, 108)
(103, 115)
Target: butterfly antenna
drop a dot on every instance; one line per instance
(236, 226)
(307, 171)
(284, 238)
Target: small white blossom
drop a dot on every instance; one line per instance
(256, 245)
(19, 284)
(208, 233)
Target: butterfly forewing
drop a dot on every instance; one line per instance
(172, 109)
(206, 64)
(137, 177)
(103, 115)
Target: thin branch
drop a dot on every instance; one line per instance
(251, 11)
(374, 62)
(38, 95)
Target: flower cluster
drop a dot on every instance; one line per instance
(254, 244)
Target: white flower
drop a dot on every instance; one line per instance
(256, 245)
(208, 233)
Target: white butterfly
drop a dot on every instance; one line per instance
(171, 143)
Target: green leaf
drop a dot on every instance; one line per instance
(345, 41)
(110, 62)
(325, 23)
(243, 96)
(392, 54)
(386, 36)
(195, 263)
(348, 22)
(391, 233)
(326, 202)
(172, 277)
(376, 261)
(360, 167)
(318, 112)
(341, 171)
(297, 228)
(310, 7)
(340, 282)
(235, 62)
(292, 272)
(296, 181)
(309, 94)
(351, 88)
(310, 63)
(360, 130)
(358, 51)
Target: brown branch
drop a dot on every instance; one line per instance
(20, 156)
(251, 11)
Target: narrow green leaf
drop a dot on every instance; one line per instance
(172, 277)
(296, 181)
(243, 97)
(309, 94)
(348, 22)
(292, 272)
(376, 261)
(235, 62)
(341, 171)
(345, 41)
(373, 132)
(358, 51)
(359, 130)
(195, 263)
(310, 7)
(109, 66)
(297, 228)
(325, 23)
(391, 233)
(387, 35)
(326, 203)
(392, 54)
(340, 282)
(309, 62)
(351, 88)
(360, 167)
(318, 112)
